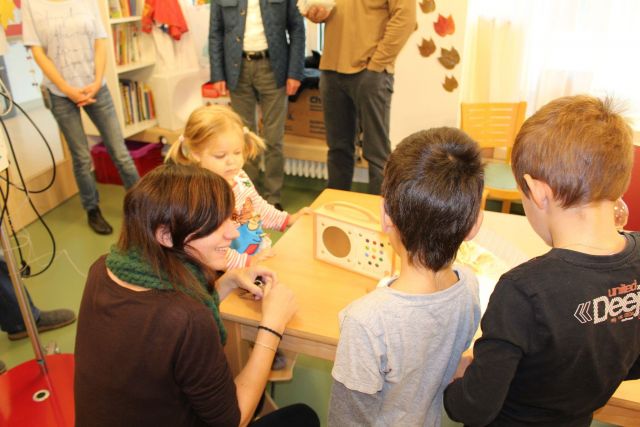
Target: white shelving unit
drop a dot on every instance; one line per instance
(139, 70)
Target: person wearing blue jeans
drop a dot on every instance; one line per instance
(11, 319)
(69, 43)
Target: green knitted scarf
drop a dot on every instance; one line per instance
(130, 267)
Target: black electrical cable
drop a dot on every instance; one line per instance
(53, 160)
(27, 192)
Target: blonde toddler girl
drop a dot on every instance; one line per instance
(215, 138)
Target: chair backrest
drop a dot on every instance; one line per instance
(493, 124)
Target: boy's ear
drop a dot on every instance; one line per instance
(385, 220)
(163, 236)
(539, 191)
(476, 227)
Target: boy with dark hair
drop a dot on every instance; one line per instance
(400, 345)
(561, 331)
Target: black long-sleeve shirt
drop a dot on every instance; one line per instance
(560, 333)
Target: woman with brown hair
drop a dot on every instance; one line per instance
(149, 347)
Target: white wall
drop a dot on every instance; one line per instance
(419, 100)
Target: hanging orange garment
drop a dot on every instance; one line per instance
(164, 12)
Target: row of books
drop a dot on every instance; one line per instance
(137, 101)
(126, 43)
(122, 8)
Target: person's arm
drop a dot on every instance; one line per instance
(349, 407)
(216, 48)
(49, 69)
(278, 306)
(634, 372)
(236, 260)
(202, 373)
(100, 60)
(399, 27)
(244, 278)
(478, 397)
(357, 373)
(296, 31)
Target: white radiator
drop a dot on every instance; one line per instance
(305, 168)
(311, 169)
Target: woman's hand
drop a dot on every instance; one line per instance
(78, 96)
(262, 255)
(294, 217)
(91, 90)
(278, 306)
(245, 278)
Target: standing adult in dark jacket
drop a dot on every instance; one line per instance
(256, 49)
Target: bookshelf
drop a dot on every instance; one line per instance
(130, 62)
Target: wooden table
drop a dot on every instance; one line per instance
(323, 290)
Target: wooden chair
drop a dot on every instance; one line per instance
(495, 125)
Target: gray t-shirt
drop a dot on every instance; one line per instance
(397, 353)
(67, 31)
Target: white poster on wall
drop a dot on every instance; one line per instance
(429, 70)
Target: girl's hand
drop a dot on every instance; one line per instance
(304, 211)
(278, 306)
(262, 255)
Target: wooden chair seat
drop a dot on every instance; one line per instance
(495, 126)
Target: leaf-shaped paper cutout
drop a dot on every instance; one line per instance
(450, 84)
(6, 12)
(427, 48)
(444, 26)
(449, 58)
(428, 6)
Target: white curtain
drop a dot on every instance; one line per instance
(539, 50)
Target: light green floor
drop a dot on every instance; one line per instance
(78, 247)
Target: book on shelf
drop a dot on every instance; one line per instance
(137, 101)
(114, 9)
(125, 8)
(126, 43)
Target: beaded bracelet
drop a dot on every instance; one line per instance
(279, 335)
(265, 346)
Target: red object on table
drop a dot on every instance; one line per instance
(22, 387)
(632, 196)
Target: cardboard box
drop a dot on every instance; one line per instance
(305, 116)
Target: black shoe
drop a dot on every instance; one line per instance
(97, 222)
(278, 206)
(48, 320)
(3, 367)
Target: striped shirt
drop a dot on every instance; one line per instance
(272, 218)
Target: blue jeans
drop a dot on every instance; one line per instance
(103, 115)
(10, 316)
(347, 99)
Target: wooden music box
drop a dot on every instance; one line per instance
(350, 237)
